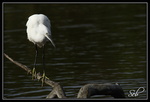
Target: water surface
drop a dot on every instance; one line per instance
(95, 43)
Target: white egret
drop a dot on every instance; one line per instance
(39, 32)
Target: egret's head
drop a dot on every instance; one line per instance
(36, 19)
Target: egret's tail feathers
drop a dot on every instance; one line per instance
(50, 40)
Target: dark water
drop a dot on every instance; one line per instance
(95, 43)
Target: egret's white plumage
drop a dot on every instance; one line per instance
(38, 29)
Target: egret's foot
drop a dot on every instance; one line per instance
(43, 78)
(33, 73)
(46, 77)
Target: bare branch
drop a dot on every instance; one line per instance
(19, 64)
(57, 89)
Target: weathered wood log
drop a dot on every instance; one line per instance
(89, 90)
(86, 91)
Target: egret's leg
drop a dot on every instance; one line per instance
(43, 61)
(36, 53)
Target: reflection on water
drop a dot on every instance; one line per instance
(95, 43)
